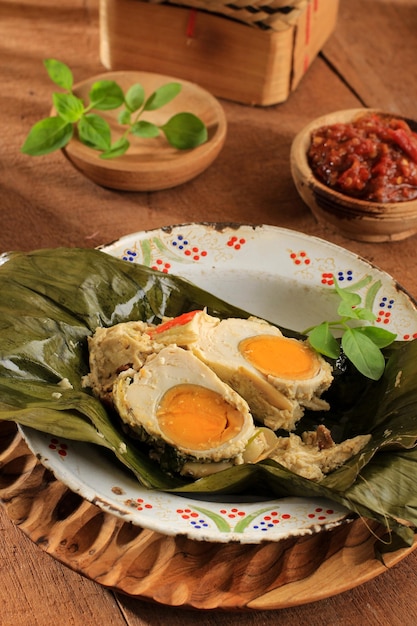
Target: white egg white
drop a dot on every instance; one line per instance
(278, 402)
(137, 396)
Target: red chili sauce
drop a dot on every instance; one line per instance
(373, 158)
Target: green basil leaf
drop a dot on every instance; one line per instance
(47, 135)
(118, 148)
(94, 132)
(135, 97)
(68, 106)
(346, 309)
(351, 298)
(363, 353)
(124, 117)
(322, 340)
(379, 336)
(364, 314)
(185, 131)
(105, 95)
(45, 320)
(145, 129)
(162, 96)
(59, 73)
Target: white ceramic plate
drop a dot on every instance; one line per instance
(278, 274)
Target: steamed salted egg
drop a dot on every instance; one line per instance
(278, 376)
(175, 399)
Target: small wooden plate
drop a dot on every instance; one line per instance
(151, 164)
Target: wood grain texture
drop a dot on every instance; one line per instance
(206, 48)
(374, 54)
(151, 164)
(176, 571)
(46, 202)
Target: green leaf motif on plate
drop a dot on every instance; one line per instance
(54, 299)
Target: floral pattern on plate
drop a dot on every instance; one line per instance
(217, 256)
(85, 470)
(278, 274)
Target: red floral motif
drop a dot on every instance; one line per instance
(141, 504)
(232, 513)
(273, 518)
(384, 317)
(236, 242)
(300, 258)
(195, 253)
(60, 448)
(327, 278)
(187, 513)
(320, 513)
(162, 266)
(270, 519)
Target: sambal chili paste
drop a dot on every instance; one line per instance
(373, 158)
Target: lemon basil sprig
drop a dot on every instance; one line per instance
(183, 131)
(361, 341)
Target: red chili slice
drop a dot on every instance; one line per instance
(176, 321)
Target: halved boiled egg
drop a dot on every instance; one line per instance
(278, 376)
(176, 399)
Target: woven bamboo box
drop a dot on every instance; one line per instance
(253, 54)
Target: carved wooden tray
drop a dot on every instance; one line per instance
(177, 571)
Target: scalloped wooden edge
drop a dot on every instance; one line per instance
(177, 571)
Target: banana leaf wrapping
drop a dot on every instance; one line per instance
(53, 299)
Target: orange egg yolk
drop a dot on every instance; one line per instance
(197, 418)
(280, 356)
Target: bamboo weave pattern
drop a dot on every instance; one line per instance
(265, 14)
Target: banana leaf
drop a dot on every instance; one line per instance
(52, 300)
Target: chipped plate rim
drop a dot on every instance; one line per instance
(282, 275)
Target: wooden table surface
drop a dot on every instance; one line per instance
(369, 61)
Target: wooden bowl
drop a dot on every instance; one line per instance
(151, 164)
(357, 219)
